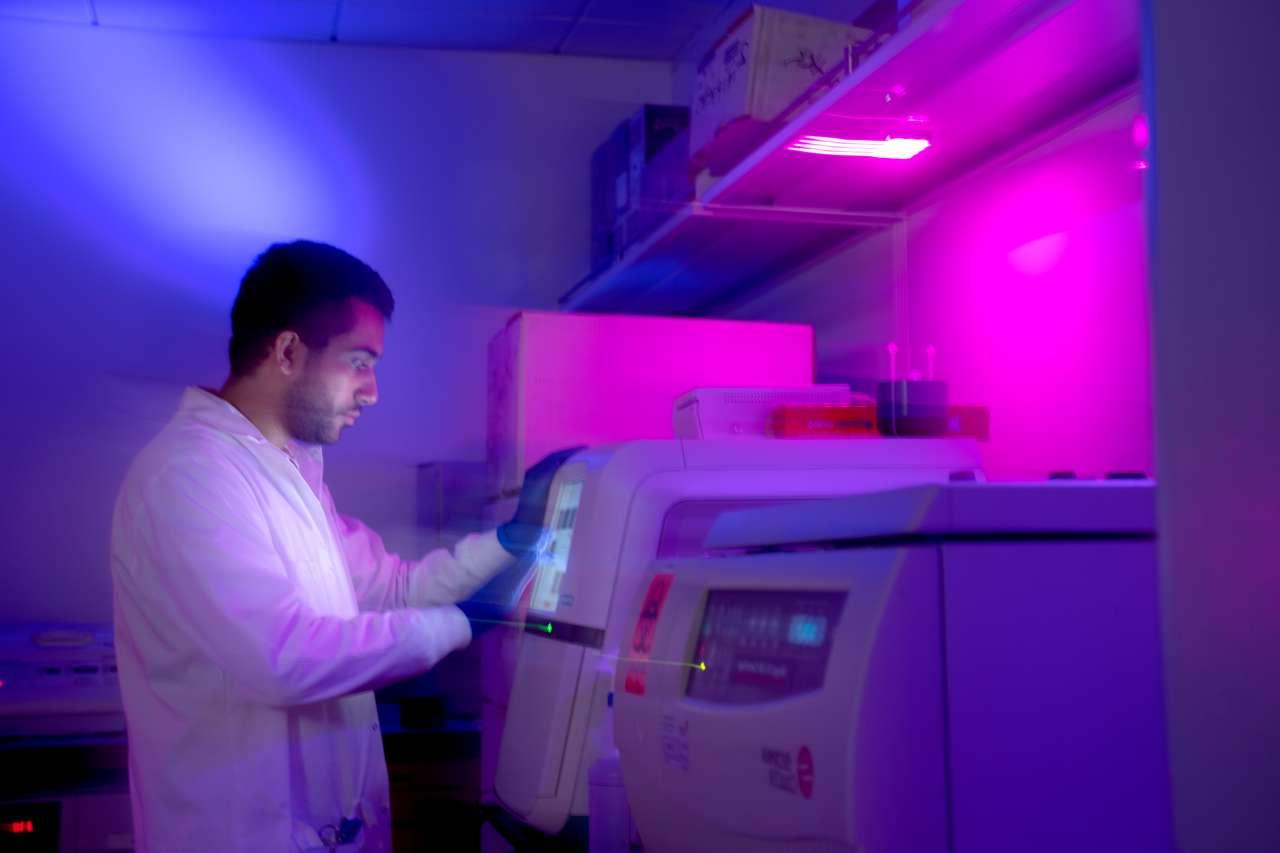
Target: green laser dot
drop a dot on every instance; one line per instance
(702, 665)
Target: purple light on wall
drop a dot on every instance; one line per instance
(891, 148)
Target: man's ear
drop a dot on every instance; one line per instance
(288, 353)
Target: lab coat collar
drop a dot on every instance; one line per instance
(208, 409)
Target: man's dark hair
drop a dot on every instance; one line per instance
(304, 287)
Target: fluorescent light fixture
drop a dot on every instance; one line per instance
(889, 148)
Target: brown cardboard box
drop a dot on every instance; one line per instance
(765, 61)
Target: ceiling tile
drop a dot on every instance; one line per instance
(654, 11)
(290, 19)
(642, 29)
(408, 9)
(450, 30)
(63, 11)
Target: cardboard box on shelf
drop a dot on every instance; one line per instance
(609, 187)
(558, 379)
(766, 60)
(659, 179)
(662, 186)
(639, 176)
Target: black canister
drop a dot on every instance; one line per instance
(912, 407)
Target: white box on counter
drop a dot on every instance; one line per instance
(744, 412)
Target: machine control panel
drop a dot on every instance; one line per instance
(763, 645)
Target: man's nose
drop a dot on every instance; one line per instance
(367, 394)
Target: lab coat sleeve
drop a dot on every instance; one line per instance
(212, 563)
(444, 576)
(384, 581)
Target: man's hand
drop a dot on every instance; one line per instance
(523, 537)
(502, 592)
(521, 534)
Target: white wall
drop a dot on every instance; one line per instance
(139, 176)
(1216, 303)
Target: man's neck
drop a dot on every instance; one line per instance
(260, 408)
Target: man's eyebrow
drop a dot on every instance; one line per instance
(367, 351)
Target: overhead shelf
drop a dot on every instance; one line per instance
(986, 75)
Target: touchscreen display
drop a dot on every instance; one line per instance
(553, 555)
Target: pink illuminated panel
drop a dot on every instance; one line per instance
(886, 149)
(1031, 281)
(558, 380)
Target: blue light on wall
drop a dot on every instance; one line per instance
(198, 148)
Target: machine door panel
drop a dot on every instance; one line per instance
(1054, 687)
(543, 693)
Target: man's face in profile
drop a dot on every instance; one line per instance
(338, 381)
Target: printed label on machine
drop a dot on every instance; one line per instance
(790, 773)
(675, 741)
(642, 636)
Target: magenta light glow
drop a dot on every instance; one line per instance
(1031, 280)
(892, 148)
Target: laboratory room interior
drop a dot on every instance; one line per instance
(813, 425)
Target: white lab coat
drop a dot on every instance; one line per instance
(252, 621)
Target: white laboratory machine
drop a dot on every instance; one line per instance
(58, 678)
(972, 668)
(63, 782)
(612, 511)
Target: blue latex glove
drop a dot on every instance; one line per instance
(521, 534)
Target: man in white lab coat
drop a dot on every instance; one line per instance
(252, 618)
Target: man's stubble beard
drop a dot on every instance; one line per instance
(308, 415)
